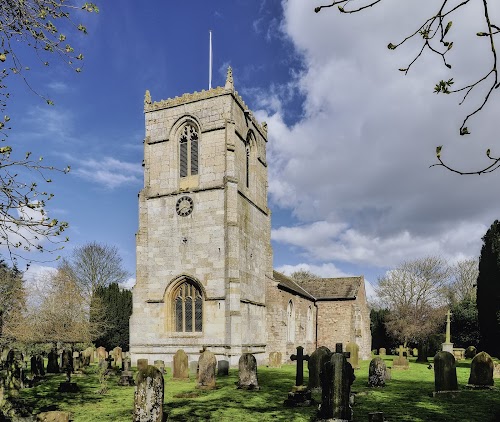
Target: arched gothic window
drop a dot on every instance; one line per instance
(188, 151)
(290, 316)
(188, 308)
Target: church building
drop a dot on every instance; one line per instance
(204, 259)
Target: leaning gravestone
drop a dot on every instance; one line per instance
(470, 352)
(353, 349)
(180, 366)
(275, 359)
(52, 363)
(400, 362)
(222, 368)
(377, 373)
(149, 393)
(207, 365)
(314, 365)
(445, 373)
(336, 380)
(481, 371)
(247, 372)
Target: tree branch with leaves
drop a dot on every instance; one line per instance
(434, 33)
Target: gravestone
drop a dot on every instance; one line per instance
(496, 371)
(353, 349)
(40, 365)
(34, 367)
(126, 376)
(117, 356)
(314, 365)
(447, 346)
(207, 365)
(67, 361)
(275, 359)
(481, 371)
(76, 361)
(180, 366)
(193, 368)
(149, 393)
(108, 360)
(101, 353)
(160, 365)
(414, 352)
(247, 372)
(445, 373)
(377, 373)
(52, 363)
(400, 362)
(222, 368)
(300, 394)
(382, 351)
(15, 371)
(458, 353)
(470, 352)
(88, 356)
(54, 416)
(336, 380)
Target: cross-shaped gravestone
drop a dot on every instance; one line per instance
(338, 349)
(401, 349)
(300, 358)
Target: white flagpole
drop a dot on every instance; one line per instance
(210, 63)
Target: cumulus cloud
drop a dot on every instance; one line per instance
(354, 170)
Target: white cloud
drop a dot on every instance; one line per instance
(59, 87)
(128, 284)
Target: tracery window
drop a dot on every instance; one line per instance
(290, 314)
(188, 308)
(188, 151)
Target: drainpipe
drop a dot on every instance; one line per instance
(316, 324)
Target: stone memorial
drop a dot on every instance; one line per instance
(34, 367)
(160, 365)
(180, 369)
(52, 363)
(222, 368)
(40, 365)
(88, 356)
(15, 379)
(445, 373)
(247, 372)
(76, 361)
(117, 357)
(382, 351)
(149, 393)
(300, 394)
(400, 362)
(414, 352)
(353, 349)
(470, 352)
(496, 371)
(377, 373)
(101, 353)
(447, 346)
(336, 380)
(275, 359)
(207, 365)
(481, 371)
(126, 376)
(314, 365)
(459, 353)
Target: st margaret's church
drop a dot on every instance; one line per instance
(205, 274)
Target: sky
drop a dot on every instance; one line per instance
(351, 138)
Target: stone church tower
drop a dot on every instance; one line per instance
(204, 253)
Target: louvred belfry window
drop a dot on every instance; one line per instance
(188, 308)
(188, 151)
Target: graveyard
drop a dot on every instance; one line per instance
(406, 395)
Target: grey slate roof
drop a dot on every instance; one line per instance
(342, 288)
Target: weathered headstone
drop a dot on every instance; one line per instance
(445, 373)
(87, 356)
(207, 365)
(67, 360)
(470, 352)
(149, 394)
(76, 361)
(481, 371)
(52, 363)
(40, 365)
(247, 372)
(109, 361)
(53, 416)
(160, 365)
(353, 349)
(117, 356)
(382, 351)
(275, 359)
(377, 373)
(180, 366)
(400, 362)
(314, 365)
(34, 367)
(300, 394)
(126, 376)
(222, 368)
(414, 352)
(458, 353)
(101, 353)
(336, 380)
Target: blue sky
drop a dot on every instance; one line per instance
(350, 138)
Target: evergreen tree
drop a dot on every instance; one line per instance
(380, 336)
(116, 307)
(488, 291)
(464, 324)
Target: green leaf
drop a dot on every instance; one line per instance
(448, 26)
(5, 150)
(482, 34)
(464, 131)
(391, 46)
(438, 151)
(488, 152)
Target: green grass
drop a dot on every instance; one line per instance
(407, 397)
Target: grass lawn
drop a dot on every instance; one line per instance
(405, 398)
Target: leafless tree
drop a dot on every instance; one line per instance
(434, 34)
(94, 265)
(301, 275)
(415, 295)
(463, 280)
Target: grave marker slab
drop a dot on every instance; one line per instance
(445, 373)
(247, 372)
(207, 364)
(180, 366)
(149, 394)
